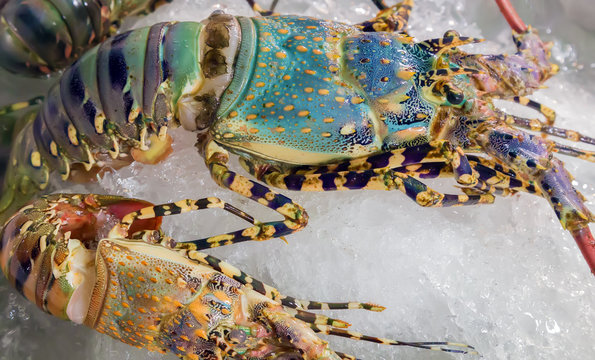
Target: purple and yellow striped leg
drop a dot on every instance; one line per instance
(258, 9)
(376, 179)
(257, 232)
(295, 216)
(390, 18)
(443, 346)
(548, 113)
(490, 180)
(440, 150)
(539, 126)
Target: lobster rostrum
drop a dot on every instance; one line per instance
(310, 105)
(40, 37)
(102, 261)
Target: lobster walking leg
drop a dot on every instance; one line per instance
(548, 113)
(539, 126)
(258, 232)
(390, 18)
(295, 215)
(377, 179)
(7, 109)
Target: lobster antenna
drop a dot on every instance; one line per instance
(444, 346)
(511, 16)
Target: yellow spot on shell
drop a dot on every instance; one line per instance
(286, 77)
(279, 129)
(53, 148)
(72, 135)
(326, 134)
(303, 113)
(310, 72)
(339, 99)
(281, 55)
(306, 130)
(262, 65)
(333, 68)
(251, 116)
(357, 100)
(282, 31)
(301, 48)
(299, 37)
(35, 159)
(233, 114)
(289, 108)
(323, 92)
(269, 104)
(248, 98)
(308, 89)
(385, 61)
(227, 136)
(117, 313)
(405, 75)
(253, 130)
(317, 38)
(265, 49)
(348, 129)
(328, 120)
(317, 51)
(259, 84)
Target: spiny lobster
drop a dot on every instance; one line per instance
(309, 105)
(143, 288)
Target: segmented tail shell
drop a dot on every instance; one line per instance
(38, 37)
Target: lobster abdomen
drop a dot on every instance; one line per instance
(39, 37)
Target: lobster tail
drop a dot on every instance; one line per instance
(39, 37)
(27, 171)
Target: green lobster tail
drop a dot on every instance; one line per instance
(27, 172)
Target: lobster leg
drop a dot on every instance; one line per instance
(537, 125)
(7, 109)
(572, 151)
(490, 180)
(548, 113)
(257, 232)
(390, 18)
(377, 179)
(261, 11)
(295, 216)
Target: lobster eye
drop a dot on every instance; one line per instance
(453, 97)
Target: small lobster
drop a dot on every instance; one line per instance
(145, 289)
(309, 105)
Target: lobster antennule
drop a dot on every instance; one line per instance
(511, 16)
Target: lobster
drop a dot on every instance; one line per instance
(41, 37)
(309, 105)
(103, 261)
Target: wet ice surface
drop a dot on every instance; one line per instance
(505, 278)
